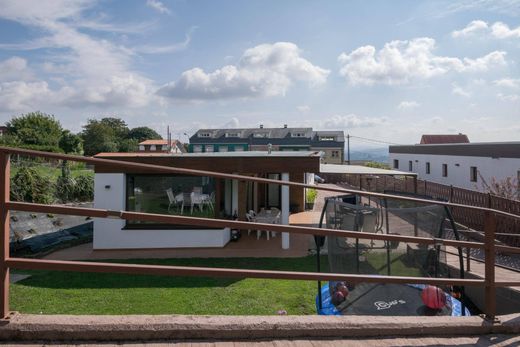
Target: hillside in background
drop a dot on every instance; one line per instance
(379, 155)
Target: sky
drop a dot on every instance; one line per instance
(388, 71)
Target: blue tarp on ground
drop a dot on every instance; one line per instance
(41, 243)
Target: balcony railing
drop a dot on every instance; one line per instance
(7, 262)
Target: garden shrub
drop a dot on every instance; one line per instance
(27, 185)
(65, 188)
(84, 188)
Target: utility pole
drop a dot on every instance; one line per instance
(348, 149)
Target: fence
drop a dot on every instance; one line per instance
(470, 218)
(7, 262)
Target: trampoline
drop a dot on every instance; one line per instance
(374, 257)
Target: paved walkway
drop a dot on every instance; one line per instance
(483, 340)
(247, 246)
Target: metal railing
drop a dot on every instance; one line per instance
(7, 262)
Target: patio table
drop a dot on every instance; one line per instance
(268, 217)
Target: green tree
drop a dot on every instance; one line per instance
(143, 133)
(117, 125)
(105, 135)
(70, 143)
(128, 145)
(36, 129)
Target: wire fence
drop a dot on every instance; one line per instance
(508, 228)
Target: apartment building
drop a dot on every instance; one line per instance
(330, 143)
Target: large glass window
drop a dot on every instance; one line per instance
(473, 174)
(170, 194)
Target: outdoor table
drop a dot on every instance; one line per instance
(268, 217)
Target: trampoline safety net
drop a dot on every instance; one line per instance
(375, 257)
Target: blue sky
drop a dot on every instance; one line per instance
(387, 70)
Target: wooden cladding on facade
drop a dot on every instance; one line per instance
(292, 165)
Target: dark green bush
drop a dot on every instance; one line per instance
(27, 185)
(84, 188)
(65, 188)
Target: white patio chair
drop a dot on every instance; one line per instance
(208, 200)
(197, 199)
(171, 198)
(250, 219)
(186, 201)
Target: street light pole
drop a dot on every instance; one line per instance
(348, 149)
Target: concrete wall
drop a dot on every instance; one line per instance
(109, 193)
(458, 168)
(327, 154)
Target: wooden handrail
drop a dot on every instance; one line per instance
(168, 169)
(225, 223)
(165, 270)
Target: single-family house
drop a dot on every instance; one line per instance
(200, 196)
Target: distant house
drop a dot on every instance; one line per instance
(438, 139)
(161, 146)
(461, 164)
(330, 143)
(3, 130)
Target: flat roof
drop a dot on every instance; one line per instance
(244, 154)
(293, 162)
(361, 170)
(475, 149)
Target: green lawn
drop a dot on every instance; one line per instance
(54, 172)
(88, 293)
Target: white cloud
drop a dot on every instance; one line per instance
(155, 49)
(406, 105)
(350, 121)
(400, 62)
(232, 123)
(158, 6)
(472, 28)
(508, 7)
(507, 82)
(508, 97)
(497, 30)
(14, 68)
(92, 71)
(23, 96)
(264, 70)
(458, 90)
(502, 31)
(303, 108)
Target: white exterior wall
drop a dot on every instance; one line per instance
(458, 176)
(110, 233)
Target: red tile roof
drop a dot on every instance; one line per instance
(157, 142)
(438, 139)
(132, 154)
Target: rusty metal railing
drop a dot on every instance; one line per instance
(7, 262)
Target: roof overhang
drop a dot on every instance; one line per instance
(247, 162)
(361, 170)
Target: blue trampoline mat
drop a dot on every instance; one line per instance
(385, 299)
